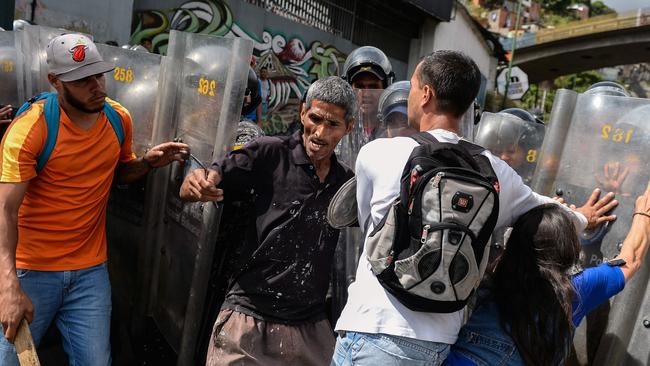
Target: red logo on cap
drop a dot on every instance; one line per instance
(78, 52)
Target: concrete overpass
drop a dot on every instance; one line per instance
(587, 45)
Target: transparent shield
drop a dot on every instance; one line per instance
(9, 70)
(515, 141)
(600, 141)
(134, 84)
(366, 126)
(606, 140)
(32, 57)
(202, 93)
(466, 125)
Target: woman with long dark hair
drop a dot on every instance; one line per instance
(527, 310)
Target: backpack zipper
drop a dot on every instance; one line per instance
(425, 233)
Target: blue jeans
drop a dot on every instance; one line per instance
(79, 302)
(483, 342)
(386, 350)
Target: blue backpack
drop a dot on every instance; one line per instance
(51, 111)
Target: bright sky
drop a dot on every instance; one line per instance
(626, 5)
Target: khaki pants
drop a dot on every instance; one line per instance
(239, 339)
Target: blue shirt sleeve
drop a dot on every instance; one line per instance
(594, 286)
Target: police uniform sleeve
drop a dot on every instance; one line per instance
(21, 145)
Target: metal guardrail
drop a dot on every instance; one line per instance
(594, 25)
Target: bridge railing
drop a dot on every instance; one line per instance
(604, 23)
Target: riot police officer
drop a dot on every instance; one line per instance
(515, 136)
(392, 110)
(368, 67)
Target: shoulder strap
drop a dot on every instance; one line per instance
(31, 101)
(483, 162)
(115, 121)
(52, 115)
(424, 138)
(52, 119)
(471, 148)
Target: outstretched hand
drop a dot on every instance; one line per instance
(596, 209)
(165, 153)
(613, 177)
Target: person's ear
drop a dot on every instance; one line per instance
(303, 113)
(427, 95)
(348, 128)
(54, 81)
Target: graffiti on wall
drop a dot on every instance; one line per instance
(292, 63)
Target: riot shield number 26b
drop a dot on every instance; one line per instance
(202, 93)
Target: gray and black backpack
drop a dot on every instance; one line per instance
(431, 249)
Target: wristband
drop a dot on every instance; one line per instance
(616, 262)
(641, 213)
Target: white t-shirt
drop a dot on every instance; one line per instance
(370, 308)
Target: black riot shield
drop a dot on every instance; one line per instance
(596, 140)
(202, 90)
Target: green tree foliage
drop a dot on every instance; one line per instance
(558, 7)
(599, 8)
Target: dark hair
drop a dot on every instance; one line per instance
(454, 77)
(264, 68)
(532, 285)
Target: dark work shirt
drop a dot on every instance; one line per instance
(287, 259)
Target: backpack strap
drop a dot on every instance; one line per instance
(52, 115)
(483, 162)
(115, 121)
(424, 138)
(52, 119)
(31, 101)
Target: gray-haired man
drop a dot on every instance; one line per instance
(274, 311)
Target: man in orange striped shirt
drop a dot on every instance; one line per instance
(52, 216)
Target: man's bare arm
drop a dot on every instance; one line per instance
(131, 171)
(157, 156)
(14, 304)
(635, 245)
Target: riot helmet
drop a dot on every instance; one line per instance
(139, 48)
(515, 136)
(608, 88)
(20, 24)
(521, 114)
(393, 111)
(252, 97)
(368, 60)
(247, 131)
